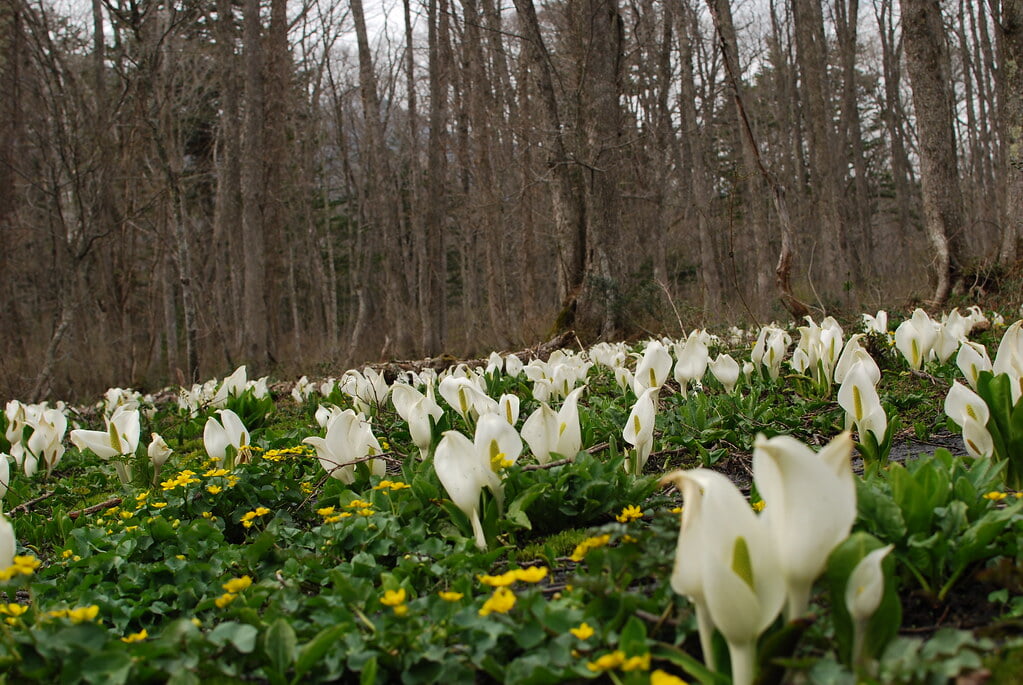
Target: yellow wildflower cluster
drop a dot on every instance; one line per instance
(396, 600)
(330, 517)
(22, 566)
(136, 637)
(759, 505)
(214, 489)
(250, 516)
(618, 660)
(183, 479)
(629, 513)
(78, 614)
(390, 485)
(232, 588)
(501, 602)
(362, 507)
(236, 585)
(285, 452)
(583, 548)
(450, 596)
(533, 574)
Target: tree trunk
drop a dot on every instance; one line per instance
(254, 310)
(927, 62)
(433, 284)
(1010, 29)
(824, 182)
(566, 184)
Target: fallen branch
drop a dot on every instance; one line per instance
(24, 506)
(548, 465)
(113, 502)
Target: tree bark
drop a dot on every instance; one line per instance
(927, 62)
(1010, 31)
(254, 310)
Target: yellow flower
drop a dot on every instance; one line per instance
(26, 564)
(637, 663)
(159, 505)
(325, 511)
(358, 504)
(214, 489)
(401, 610)
(141, 497)
(196, 622)
(676, 510)
(449, 596)
(306, 487)
(236, 585)
(759, 505)
(180, 557)
(335, 519)
(66, 554)
(382, 485)
(393, 598)
(660, 677)
(127, 515)
(136, 637)
(500, 602)
(995, 496)
(608, 662)
(590, 543)
(503, 580)
(365, 512)
(262, 511)
(22, 566)
(57, 613)
(583, 631)
(629, 513)
(224, 600)
(213, 473)
(83, 614)
(533, 574)
(398, 485)
(13, 609)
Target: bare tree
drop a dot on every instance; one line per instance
(927, 62)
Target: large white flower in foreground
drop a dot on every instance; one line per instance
(810, 507)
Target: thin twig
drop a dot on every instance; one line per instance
(671, 301)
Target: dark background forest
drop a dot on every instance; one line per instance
(189, 185)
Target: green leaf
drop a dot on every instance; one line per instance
(311, 652)
(632, 639)
(279, 643)
(369, 671)
(241, 635)
(109, 668)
